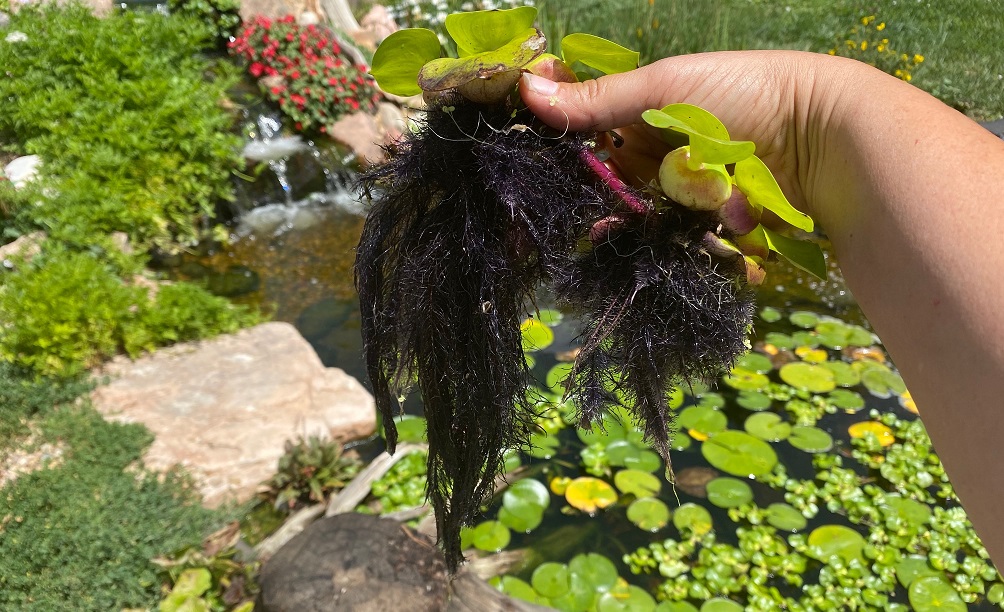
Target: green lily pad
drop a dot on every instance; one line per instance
(550, 317)
(543, 446)
(767, 426)
(742, 379)
(595, 570)
(410, 428)
(536, 335)
(811, 377)
(511, 461)
(590, 494)
(803, 319)
(720, 604)
(910, 568)
(490, 536)
(621, 451)
(645, 460)
(755, 362)
(846, 400)
(805, 338)
(400, 57)
(521, 517)
(833, 334)
(835, 540)
(881, 381)
(691, 518)
(781, 341)
(785, 517)
(739, 454)
(626, 598)
(728, 492)
(679, 441)
(551, 579)
(935, 593)
(675, 606)
(580, 596)
(710, 399)
(556, 376)
(754, 400)
(517, 589)
(810, 439)
(605, 432)
(911, 512)
(703, 419)
(844, 375)
(637, 483)
(599, 53)
(531, 490)
(648, 513)
(770, 314)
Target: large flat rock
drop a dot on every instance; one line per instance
(223, 408)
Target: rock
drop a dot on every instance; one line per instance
(26, 247)
(223, 408)
(308, 18)
(22, 170)
(359, 132)
(390, 121)
(375, 26)
(280, 8)
(357, 563)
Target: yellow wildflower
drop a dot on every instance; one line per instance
(832, 51)
(867, 20)
(907, 77)
(918, 59)
(864, 45)
(880, 26)
(880, 48)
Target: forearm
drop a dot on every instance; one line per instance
(910, 193)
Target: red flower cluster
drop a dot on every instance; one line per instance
(302, 69)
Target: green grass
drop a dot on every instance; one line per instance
(959, 39)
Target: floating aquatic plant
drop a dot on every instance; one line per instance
(482, 203)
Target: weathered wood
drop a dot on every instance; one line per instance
(293, 526)
(352, 495)
(468, 593)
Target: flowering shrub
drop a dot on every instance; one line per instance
(302, 70)
(867, 43)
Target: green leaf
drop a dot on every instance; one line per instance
(595, 569)
(739, 454)
(604, 55)
(693, 518)
(590, 494)
(810, 439)
(626, 598)
(755, 180)
(767, 426)
(637, 483)
(726, 492)
(720, 604)
(835, 540)
(811, 377)
(803, 254)
(480, 31)
(785, 517)
(704, 148)
(704, 419)
(648, 513)
(551, 579)
(693, 119)
(535, 335)
(447, 72)
(490, 536)
(935, 593)
(400, 57)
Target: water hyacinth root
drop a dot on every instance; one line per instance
(470, 213)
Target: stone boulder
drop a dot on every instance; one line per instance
(224, 408)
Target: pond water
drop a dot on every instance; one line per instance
(818, 407)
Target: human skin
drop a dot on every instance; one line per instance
(909, 191)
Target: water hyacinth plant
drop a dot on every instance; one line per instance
(482, 203)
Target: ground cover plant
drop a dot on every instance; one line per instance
(490, 203)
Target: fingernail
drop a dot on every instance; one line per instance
(540, 85)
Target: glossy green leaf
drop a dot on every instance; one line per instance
(770, 314)
(753, 400)
(803, 254)
(480, 31)
(448, 72)
(810, 439)
(490, 536)
(742, 379)
(709, 140)
(637, 483)
(551, 579)
(626, 598)
(879, 379)
(911, 512)
(710, 399)
(400, 57)
(535, 335)
(531, 490)
(755, 180)
(605, 432)
(580, 596)
(767, 426)
(543, 446)
(910, 568)
(193, 582)
(599, 53)
(755, 362)
(410, 428)
(645, 460)
(596, 570)
(648, 513)
(812, 378)
(550, 317)
(703, 419)
(781, 341)
(843, 374)
(935, 594)
(846, 400)
(720, 604)
(739, 454)
(785, 517)
(521, 517)
(556, 376)
(692, 519)
(691, 118)
(835, 540)
(804, 319)
(728, 492)
(517, 589)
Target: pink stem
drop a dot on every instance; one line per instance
(614, 182)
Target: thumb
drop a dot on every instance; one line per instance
(606, 103)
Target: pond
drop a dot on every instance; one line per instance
(802, 480)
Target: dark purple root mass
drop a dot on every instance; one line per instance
(469, 215)
(657, 311)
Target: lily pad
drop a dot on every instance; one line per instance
(536, 335)
(626, 598)
(675, 606)
(521, 516)
(590, 494)
(742, 379)
(596, 570)
(910, 568)
(517, 589)
(810, 439)
(770, 314)
(703, 418)
(728, 492)
(785, 517)
(767, 426)
(490, 536)
(692, 518)
(556, 376)
(812, 378)
(879, 430)
(755, 362)
(846, 400)
(805, 338)
(911, 512)
(804, 319)
(835, 540)
(720, 604)
(710, 399)
(781, 341)
(754, 400)
(637, 483)
(648, 513)
(580, 596)
(739, 454)
(935, 593)
(880, 380)
(644, 460)
(550, 317)
(811, 355)
(843, 374)
(605, 432)
(543, 446)
(551, 579)
(531, 490)
(410, 428)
